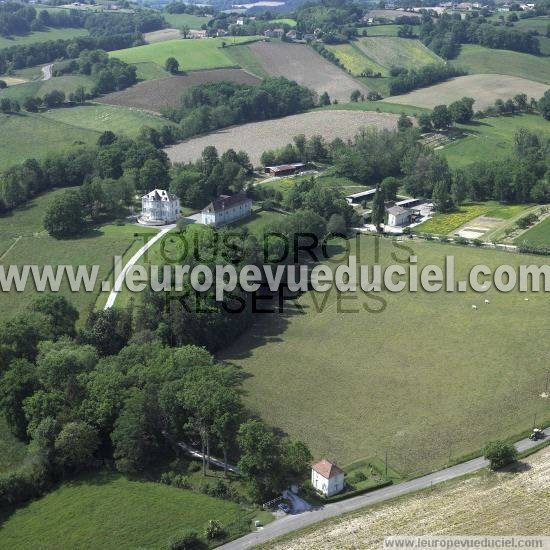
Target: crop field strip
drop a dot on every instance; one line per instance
(257, 137)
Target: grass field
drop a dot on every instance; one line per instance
(25, 135)
(243, 57)
(178, 20)
(502, 503)
(258, 222)
(398, 52)
(383, 30)
(544, 43)
(193, 55)
(117, 513)
(12, 451)
(99, 117)
(480, 60)
(490, 138)
(32, 245)
(539, 235)
(285, 21)
(538, 24)
(150, 71)
(484, 88)
(419, 375)
(67, 84)
(41, 36)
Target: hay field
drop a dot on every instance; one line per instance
(392, 14)
(153, 95)
(484, 88)
(399, 52)
(494, 504)
(304, 65)
(354, 60)
(257, 137)
(480, 60)
(421, 376)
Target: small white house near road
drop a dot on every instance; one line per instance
(159, 208)
(226, 209)
(327, 478)
(397, 216)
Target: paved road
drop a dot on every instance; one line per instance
(294, 522)
(133, 260)
(47, 72)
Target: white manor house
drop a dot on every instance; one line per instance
(226, 209)
(159, 208)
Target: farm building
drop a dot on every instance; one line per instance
(226, 209)
(398, 216)
(327, 478)
(274, 33)
(193, 33)
(159, 207)
(357, 198)
(284, 169)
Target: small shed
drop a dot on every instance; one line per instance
(398, 216)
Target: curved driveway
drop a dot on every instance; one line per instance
(294, 522)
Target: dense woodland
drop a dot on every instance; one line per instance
(114, 392)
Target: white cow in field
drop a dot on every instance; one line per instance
(487, 302)
(474, 307)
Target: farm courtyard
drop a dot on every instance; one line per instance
(420, 375)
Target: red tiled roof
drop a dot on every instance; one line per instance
(327, 469)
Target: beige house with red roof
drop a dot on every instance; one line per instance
(327, 478)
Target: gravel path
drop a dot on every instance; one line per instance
(257, 137)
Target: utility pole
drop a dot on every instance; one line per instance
(547, 381)
(386, 474)
(535, 421)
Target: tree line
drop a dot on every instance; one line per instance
(446, 33)
(404, 80)
(18, 19)
(81, 406)
(217, 105)
(107, 32)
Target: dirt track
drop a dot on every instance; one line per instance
(257, 137)
(153, 95)
(304, 65)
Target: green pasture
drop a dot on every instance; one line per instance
(420, 376)
(41, 36)
(490, 138)
(111, 512)
(178, 20)
(538, 235)
(383, 30)
(192, 55)
(480, 60)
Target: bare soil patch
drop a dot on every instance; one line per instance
(153, 95)
(304, 65)
(162, 35)
(257, 137)
(484, 88)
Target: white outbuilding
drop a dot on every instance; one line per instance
(159, 208)
(226, 209)
(327, 478)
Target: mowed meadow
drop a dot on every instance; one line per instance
(421, 376)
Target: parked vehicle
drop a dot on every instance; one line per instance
(537, 434)
(284, 508)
